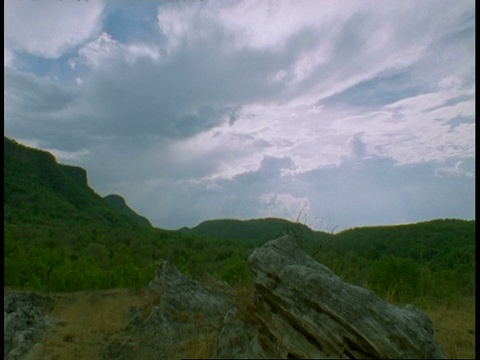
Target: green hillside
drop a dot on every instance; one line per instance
(119, 203)
(39, 190)
(429, 260)
(59, 235)
(442, 240)
(257, 230)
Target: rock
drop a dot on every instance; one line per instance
(134, 316)
(238, 339)
(179, 293)
(182, 320)
(298, 309)
(306, 311)
(23, 324)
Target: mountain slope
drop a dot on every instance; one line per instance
(119, 203)
(39, 190)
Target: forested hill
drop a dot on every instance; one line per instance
(59, 235)
(423, 241)
(452, 239)
(119, 203)
(259, 230)
(38, 190)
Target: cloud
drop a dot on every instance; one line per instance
(380, 90)
(43, 111)
(65, 156)
(370, 192)
(377, 191)
(105, 49)
(208, 109)
(358, 147)
(456, 170)
(283, 205)
(49, 29)
(7, 57)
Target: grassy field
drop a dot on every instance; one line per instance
(95, 321)
(455, 328)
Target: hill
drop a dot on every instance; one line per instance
(39, 190)
(59, 235)
(119, 203)
(423, 242)
(258, 230)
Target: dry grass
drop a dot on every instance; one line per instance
(96, 319)
(91, 318)
(200, 347)
(455, 328)
(245, 303)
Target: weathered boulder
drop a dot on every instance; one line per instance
(183, 318)
(306, 311)
(238, 339)
(23, 323)
(297, 309)
(180, 293)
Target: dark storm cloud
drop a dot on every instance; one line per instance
(30, 94)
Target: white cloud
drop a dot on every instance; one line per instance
(183, 23)
(64, 156)
(270, 24)
(283, 205)
(247, 108)
(456, 170)
(49, 28)
(72, 63)
(7, 57)
(104, 50)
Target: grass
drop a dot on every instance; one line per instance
(96, 320)
(91, 319)
(245, 302)
(200, 347)
(454, 327)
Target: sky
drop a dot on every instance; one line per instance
(337, 114)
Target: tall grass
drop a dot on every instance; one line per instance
(96, 320)
(91, 320)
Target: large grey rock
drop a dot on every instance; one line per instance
(180, 293)
(306, 311)
(238, 339)
(182, 320)
(23, 323)
(298, 309)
